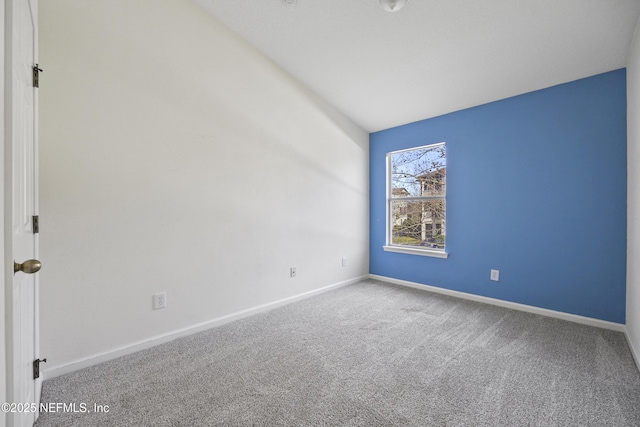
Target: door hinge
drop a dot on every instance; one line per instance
(35, 222)
(36, 75)
(36, 367)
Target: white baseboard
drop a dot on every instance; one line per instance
(507, 304)
(634, 352)
(160, 339)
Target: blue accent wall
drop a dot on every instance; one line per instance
(536, 188)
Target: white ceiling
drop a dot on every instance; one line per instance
(432, 57)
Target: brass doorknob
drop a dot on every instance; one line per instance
(29, 267)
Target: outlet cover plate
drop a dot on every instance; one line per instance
(159, 300)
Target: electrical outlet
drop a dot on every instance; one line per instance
(159, 300)
(495, 275)
(292, 272)
(344, 261)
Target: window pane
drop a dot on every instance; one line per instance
(418, 173)
(418, 223)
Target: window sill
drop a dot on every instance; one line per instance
(415, 251)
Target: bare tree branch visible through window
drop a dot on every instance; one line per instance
(417, 204)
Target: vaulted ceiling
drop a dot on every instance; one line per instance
(432, 57)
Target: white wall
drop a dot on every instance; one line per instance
(175, 157)
(633, 197)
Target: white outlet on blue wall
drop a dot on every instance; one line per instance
(495, 275)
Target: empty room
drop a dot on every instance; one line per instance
(321, 212)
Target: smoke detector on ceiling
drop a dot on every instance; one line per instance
(392, 5)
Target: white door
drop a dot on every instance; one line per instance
(24, 389)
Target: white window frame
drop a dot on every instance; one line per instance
(406, 249)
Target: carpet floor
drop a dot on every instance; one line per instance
(368, 354)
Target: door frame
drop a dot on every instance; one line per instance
(5, 207)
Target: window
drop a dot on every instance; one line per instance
(416, 200)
